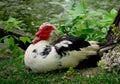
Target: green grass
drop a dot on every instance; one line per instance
(12, 71)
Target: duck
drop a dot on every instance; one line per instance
(47, 53)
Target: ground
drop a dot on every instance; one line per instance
(12, 71)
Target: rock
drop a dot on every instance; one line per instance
(110, 61)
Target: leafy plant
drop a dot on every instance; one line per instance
(9, 40)
(70, 71)
(85, 23)
(11, 23)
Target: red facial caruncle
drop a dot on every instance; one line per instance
(44, 32)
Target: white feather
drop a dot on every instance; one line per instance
(39, 64)
(64, 43)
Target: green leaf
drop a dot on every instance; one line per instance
(25, 39)
(15, 37)
(10, 43)
(2, 51)
(113, 11)
(11, 19)
(104, 30)
(6, 41)
(79, 9)
(8, 27)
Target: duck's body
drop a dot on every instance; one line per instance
(64, 53)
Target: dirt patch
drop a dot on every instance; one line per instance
(90, 71)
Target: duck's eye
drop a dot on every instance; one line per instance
(46, 29)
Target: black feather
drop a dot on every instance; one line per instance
(77, 43)
(46, 51)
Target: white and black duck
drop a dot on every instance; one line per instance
(65, 52)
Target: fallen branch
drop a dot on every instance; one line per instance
(13, 32)
(17, 33)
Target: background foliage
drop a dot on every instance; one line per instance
(72, 17)
(78, 20)
(31, 13)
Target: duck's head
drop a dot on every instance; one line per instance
(45, 32)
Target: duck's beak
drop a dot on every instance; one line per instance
(38, 33)
(36, 39)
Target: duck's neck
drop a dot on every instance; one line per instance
(53, 38)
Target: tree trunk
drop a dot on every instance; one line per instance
(113, 34)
